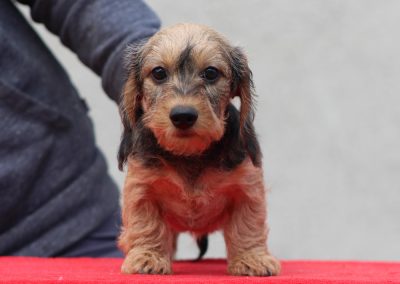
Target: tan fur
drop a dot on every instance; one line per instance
(207, 129)
(159, 202)
(164, 48)
(145, 238)
(129, 102)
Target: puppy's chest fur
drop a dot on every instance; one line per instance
(196, 193)
(200, 205)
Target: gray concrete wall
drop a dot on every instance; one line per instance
(327, 75)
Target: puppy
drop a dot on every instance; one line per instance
(193, 160)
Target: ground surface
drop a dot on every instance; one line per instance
(86, 270)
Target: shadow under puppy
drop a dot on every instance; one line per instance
(194, 163)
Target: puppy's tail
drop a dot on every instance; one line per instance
(202, 243)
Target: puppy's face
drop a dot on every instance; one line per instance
(180, 83)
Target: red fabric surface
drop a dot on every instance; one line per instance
(89, 270)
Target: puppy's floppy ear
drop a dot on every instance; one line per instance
(130, 105)
(130, 102)
(126, 145)
(242, 86)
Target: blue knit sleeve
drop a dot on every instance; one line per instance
(98, 31)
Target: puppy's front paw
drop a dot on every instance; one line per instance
(254, 264)
(146, 263)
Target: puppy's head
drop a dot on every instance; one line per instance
(179, 85)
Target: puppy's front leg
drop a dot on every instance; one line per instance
(246, 237)
(145, 239)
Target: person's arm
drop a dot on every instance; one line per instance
(98, 31)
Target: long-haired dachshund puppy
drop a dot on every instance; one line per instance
(194, 163)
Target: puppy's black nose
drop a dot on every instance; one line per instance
(183, 117)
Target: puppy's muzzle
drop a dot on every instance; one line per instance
(183, 117)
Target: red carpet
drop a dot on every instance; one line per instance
(87, 270)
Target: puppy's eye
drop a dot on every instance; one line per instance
(210, 74)
(159, 74)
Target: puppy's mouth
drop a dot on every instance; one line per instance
(188, 133)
